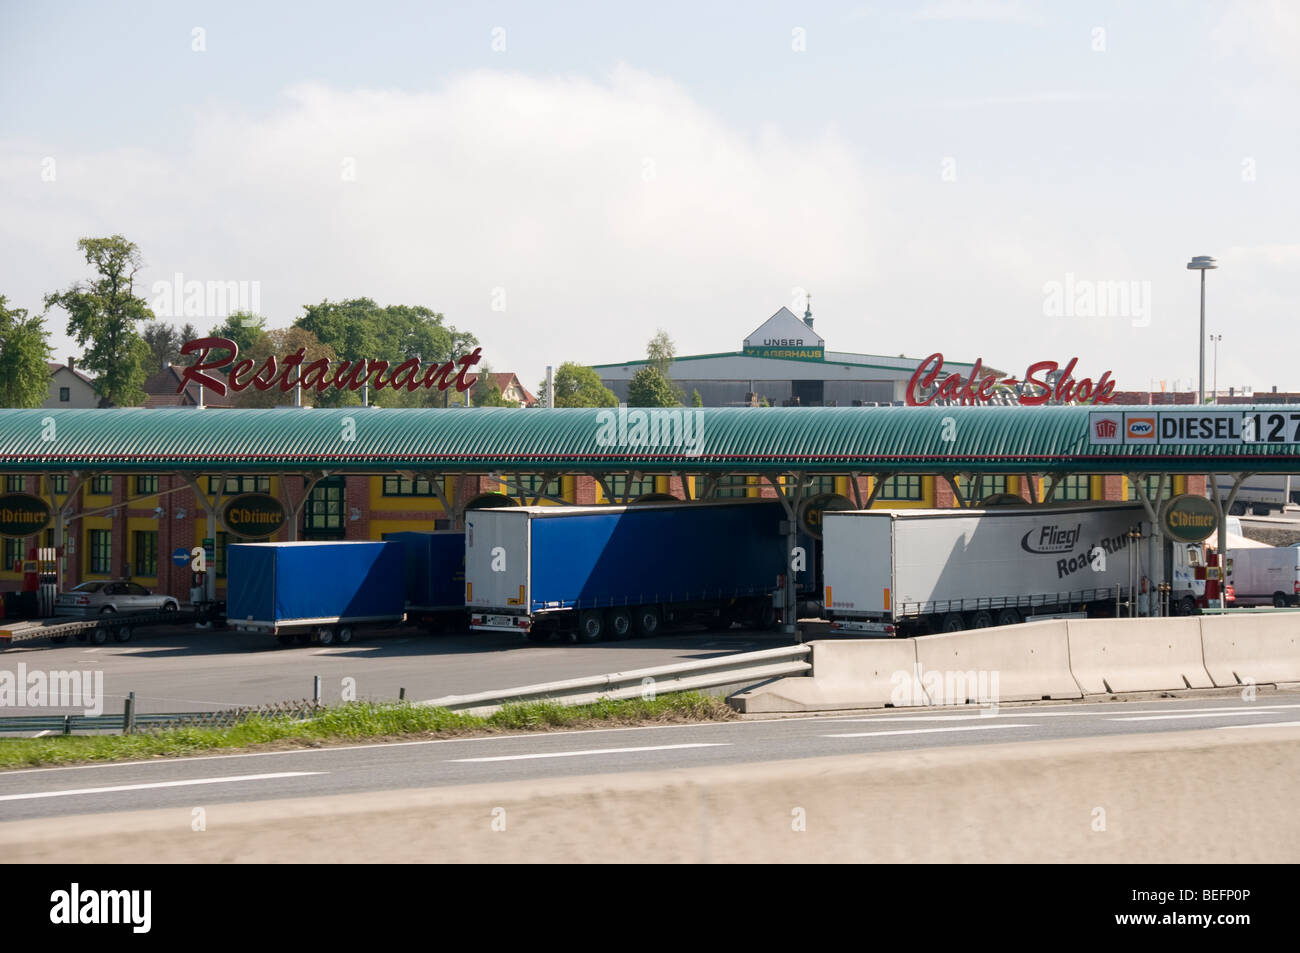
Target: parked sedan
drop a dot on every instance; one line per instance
(117, 595)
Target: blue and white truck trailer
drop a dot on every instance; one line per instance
(598, 572)
(314, 590)
(435, 578)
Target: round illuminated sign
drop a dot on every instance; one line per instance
(253, 515)
(22, 514)
(810, 514)
(1190, 518)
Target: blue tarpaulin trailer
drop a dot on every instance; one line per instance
(617, 571)
(435, 577)
(314, 589)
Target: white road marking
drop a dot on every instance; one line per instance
(1266, 724)
(578, 754)
(156, 784)
(922, 731)
(1009, 712)
(1217, 714)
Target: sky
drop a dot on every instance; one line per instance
(1013, 181)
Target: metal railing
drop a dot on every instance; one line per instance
(740, 668)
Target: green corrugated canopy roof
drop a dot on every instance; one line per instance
(753, 440)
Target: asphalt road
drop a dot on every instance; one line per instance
(191, 782)
(184, 669)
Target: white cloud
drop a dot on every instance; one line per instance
(606, 209)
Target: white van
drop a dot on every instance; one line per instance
(1267, 576)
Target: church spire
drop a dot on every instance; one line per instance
(807, 313)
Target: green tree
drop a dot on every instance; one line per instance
(660, 353)
(165, 343)
(696, 399)
(281, 342)
(104, 312)
(578, 386)
(649, 388)
(485, 392)
(24, 358)
(246, 329)
(358, 328)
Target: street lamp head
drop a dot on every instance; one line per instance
(1201, 263)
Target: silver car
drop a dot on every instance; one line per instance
(116, 595)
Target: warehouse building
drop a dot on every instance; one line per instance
(784, 362)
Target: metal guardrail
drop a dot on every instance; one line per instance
(132, 722)
(743, 667)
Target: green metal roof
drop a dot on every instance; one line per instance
(820, 439)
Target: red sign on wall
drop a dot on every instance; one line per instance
(1056, 385)
(287, 372)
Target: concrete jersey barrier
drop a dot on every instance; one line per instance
(859, 673)
(1260, 649)
(1137, 655)
(1027, 662)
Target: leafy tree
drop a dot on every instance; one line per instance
(281, 342)
(104, 312)
(660, 353)
(696, 399)
(24, 358)
(360, 329)
(165, 344)
(485, 391)
(246, 329)
(649, 388)
(578, 386)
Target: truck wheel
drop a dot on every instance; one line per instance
(591, 626)
(648, 622)
(99, 635)
(345, 635)
(1260, 509)
(1009, 617)
(325, 635)
(952, 622)
(1237, 509)
(763, 615)
(620, 624)
(1279, 601)
(122, 633)
(982, 619)
(1186, 606)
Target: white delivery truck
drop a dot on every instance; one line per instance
(914, 571)
(1265, 575)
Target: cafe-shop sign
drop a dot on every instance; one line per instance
(1190, 518)
(22, 514)
(1044, 382)
(253, 515)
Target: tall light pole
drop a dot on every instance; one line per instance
(1216, 338)
(1202, 263)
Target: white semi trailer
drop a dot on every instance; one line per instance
(904, 572)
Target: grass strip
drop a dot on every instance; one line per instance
(360, 721)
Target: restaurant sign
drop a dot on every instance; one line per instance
(288, 371)
(253, 515)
